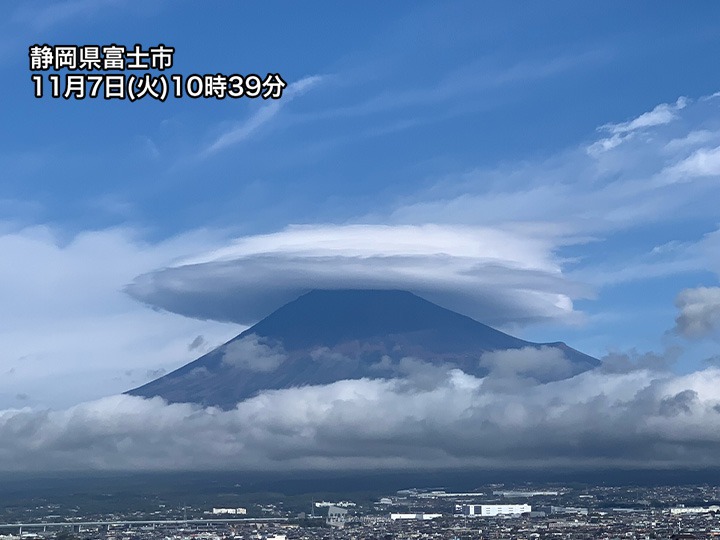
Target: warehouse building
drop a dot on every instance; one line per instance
(421, 516)
(336, 516)
(229, 511)
(491, 510)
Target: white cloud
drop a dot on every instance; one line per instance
(69, 333)
(692, 139)
(625, 131)
(268, 111)
(702, 162)
(638, 419)
(660, 115)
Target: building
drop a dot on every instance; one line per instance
(336, 516)
(422, 516)
(511, 494)
(229, 511)
(569, 510)
(491, 510)
(694, 510)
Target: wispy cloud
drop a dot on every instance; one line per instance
(664, 113)
(479, 78)
(241, 131)
(641, 180)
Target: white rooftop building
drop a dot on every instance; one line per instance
(336, 516)
(513, 493)
(491, 510)
(230, 511)
(421, 516)
(694, 509)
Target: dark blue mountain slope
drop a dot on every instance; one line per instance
(330, 335)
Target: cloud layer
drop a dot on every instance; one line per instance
(638, 418)
(491, 274)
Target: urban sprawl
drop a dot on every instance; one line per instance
(491, 512)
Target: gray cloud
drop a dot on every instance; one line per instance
(680, 403)
(199, 372)
(640, 418)
(542, 364)
(633, 361)
(413, 373)
(699, 312)
(254, 353)
(155, 373)
(325, 355)
(197, 343)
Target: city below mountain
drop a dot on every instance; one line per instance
(331, 335)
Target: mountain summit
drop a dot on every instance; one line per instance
(331, 335)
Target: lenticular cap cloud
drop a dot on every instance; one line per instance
(490, 274)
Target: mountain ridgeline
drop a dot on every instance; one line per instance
(331, 335)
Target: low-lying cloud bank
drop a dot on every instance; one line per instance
(635, 417)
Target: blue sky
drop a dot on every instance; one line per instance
(549, 168)
(408, 94)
